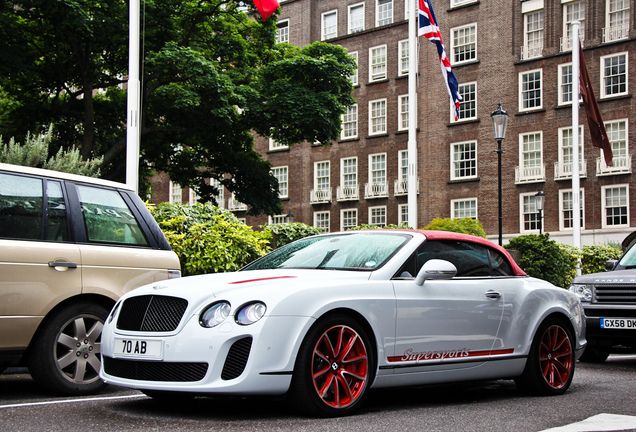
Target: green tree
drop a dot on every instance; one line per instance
(460, 225)
(35, 153)
(211, 76)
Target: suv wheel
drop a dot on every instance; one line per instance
(65, 354)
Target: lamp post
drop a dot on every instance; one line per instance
(539, 200)
(289, 218)
(499, 124)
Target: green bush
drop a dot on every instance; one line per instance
(209, 239)
(594, 257)
(288, 232)
(461, 225)
(544, 258)
(369, 226)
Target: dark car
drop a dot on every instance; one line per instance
(609, 301)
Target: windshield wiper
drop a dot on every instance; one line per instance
(327, 257)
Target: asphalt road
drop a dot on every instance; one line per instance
(607, 390)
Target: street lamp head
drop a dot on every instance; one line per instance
(539, 198)
(499, 123)
(289, 218)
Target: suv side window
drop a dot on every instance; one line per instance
(20, 207)
(107, 217)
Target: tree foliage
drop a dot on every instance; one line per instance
(285, 233)
(460, 225)
(211, 76)
(35, 153)
(593, 258)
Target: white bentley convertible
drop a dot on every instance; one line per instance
(329, 317)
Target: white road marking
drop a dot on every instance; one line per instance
(54, 402)
(599, 423)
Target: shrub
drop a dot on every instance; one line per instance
(544, 258)
(461, 225)
(288, 232)
(369, 226)
(209, 239)
(594, 258)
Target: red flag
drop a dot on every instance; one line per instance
(266, 7)
(593, 114)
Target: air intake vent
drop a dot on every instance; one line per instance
(151, 313)
(236, 359)
(155, 371)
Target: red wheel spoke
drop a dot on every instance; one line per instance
(555, 357)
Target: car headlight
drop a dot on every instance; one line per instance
(214, 314)
(250, 313)
(584, 292)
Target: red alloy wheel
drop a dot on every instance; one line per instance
(340, 366)
(555, 357)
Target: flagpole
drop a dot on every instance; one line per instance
(412, 138)
(134, 100)
(576, 178)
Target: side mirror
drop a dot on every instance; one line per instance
(435, 269)
(610, 264)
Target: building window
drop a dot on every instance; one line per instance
(329, 25)
(322, 177)
(564, 167)
(356, 18)
(384, 12)
(321, 221)
(616, 20)
(348, 219)
(614, 75)
(377, 63)
(565, 84)
(464, 43)
(350, 122)
(220, 197)
(281, 174)
(403, 214)
(464, 208)
(456, 3)
(529, 213)
(377, 117)
(274, 145)
(533, 34)
(573, 11)
(617, 136)
(282, 32)
(565, 209)
(377, 170)
(530, 90)
(377, 216)
(348, 189)
(403, 56)
(175, 192)
(531, 167)
(354, 76)
(468, 104)
(403, 112)
(464, 160)
(615, 206)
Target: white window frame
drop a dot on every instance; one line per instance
(403, 214)
(403, 57)
(533, 215)
(354, 78)
(403, 112)
(565, 84)
(566, 44)
(319, 178)
(454, 162)
(604, 207)
(281, 173)
(220, 198)
(467, 98)
(282, 31)
(389, 19)
(457, 3)
(604, 77)
(350, 28)
(461, 44)
(616, 20)
(353, 215)
(378, 176)
(345, 176)
(536, 171)
(274, 145)
(324, 17)
(350, 118)
(563, 209)
(320, 222)
(533, 48)
(618, 136)
(378, 62)
(523, 91)
(377, 117)
(461, 207)
(565, 160)
(377, 216)
(175, 192)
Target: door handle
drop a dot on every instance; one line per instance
(492, 294)
(62, 265)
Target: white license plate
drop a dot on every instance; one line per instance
(139, 348)
(618, 323)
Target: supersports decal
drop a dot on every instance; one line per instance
(417, 357)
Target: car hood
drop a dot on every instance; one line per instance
(611, 277)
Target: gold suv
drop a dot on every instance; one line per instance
(70, 246)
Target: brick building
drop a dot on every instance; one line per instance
(515, 52)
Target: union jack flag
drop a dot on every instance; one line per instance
(427, 26)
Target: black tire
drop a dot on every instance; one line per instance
(595, 354)
(65, 354)
(328, 380)
(550, 366)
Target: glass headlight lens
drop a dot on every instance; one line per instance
(251, 313)
(214, 314)
(583, 291)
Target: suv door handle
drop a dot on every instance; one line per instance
(62, 265)
(492, 294)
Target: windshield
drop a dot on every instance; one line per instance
(359, 251)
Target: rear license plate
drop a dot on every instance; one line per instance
(618, 323)
(138, 348)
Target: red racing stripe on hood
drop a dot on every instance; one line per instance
(261, 279)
